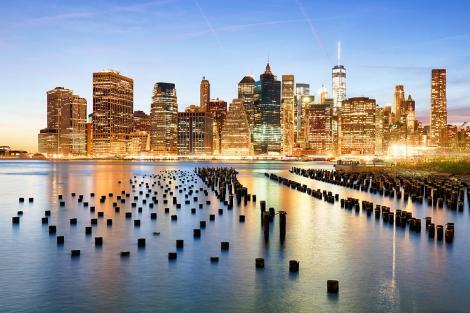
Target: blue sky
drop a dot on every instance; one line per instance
(44, 44)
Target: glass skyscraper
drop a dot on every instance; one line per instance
(267, 123)
(164, 119)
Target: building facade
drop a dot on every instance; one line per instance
(267, 120)
(357, 126)
(218, 111)
(236, 137)
(66, 124)
(287, 114)
(318, 137)
(438, 105)
(204, 93)
(164, 120)
(194, 133)
(113, 108)
(246, 92)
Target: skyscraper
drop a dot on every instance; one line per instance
(438, 105)
(113, 108)
(194, 133)
(287, 114)
(318, 129)
(301, 90)
(66, 122)
(204, 93)
(339, 81)
(358, 126)
(236, 131)
(267, 124)
(399, 99)
(164, 119)
(217, 109)
(246, 92)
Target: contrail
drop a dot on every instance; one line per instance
(312, 29)
(209, 25)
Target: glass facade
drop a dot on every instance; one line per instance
(164, 119)
(113, 108)
(267, 121)
(236, 137)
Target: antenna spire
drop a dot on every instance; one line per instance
(339, 52)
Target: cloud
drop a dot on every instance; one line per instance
(313, 29)
(141, 7)
(208, 23)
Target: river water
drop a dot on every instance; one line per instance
(380, 267)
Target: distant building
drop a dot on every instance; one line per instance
(287, 114)
(357, 126)
(164, 119)
(113, 108)
(267, 123)
(438, 105)
(204, 93)
(194, 133)
(236, 132)
(217, 109)
(66, 119)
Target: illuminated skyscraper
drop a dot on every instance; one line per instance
(300, 91)
(318, 129)
(267, 124)
(164, 119)
(66, 124)
(287, 114)
(194, 133)
(305, 102)
(218, 111)
(204, 93)
(358, 126)
(236, 137)
(140, 122)
(339, 81)
(399, 99)
(438, 105)
(246, 92)
(113, 108)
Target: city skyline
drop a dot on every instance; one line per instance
(308, 33)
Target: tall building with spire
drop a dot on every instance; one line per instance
(164, 119)
(204, 93)
(339, 81)
(236, 137)
(438, 105)
(113, 108)
(267, 123)
(287, 114)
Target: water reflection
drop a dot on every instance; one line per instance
(380, 267)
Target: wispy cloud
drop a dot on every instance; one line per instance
(142, 7)
(59, 18)
(208, 23)
(398, 68)
(312, 29)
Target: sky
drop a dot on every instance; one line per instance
(45, 44)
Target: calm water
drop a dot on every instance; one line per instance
(380, 268)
